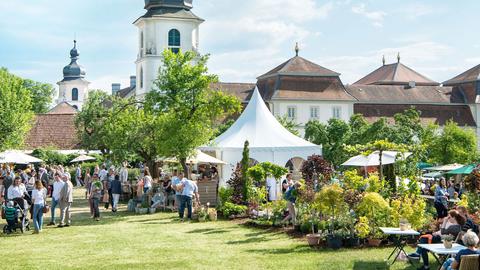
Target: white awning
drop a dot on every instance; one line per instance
(17, 157)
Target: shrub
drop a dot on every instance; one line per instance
(237, 185)
(362, 227)
(224, 195)
(352, 180)
(133, 174)
(410, 208)
(376, 209)
(316, 166)
(229, 209)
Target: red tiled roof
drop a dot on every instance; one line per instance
(438, 114)
(395, 74)
(63, 108)
(300, 66)
(401, 94)
(470, 75)
(242, 91)
(54, 129)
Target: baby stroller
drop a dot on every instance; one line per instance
(16, 214)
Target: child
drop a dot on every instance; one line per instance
(11, 215)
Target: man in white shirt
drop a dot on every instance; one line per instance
(103, 174)
(17, 190)
(190, 189)
(57, 187)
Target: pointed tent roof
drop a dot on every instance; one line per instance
(470, 75)
(395, 74)
(301, 67)
(261, 129)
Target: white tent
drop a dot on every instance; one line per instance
(388, 157)
(82, 158)
(17, 157)
(268, 139)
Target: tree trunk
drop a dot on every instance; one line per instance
(183, 162)
(381, 165)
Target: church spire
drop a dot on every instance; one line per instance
(297, 49)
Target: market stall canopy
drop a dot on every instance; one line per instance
(463, 170)
(388, 157)
(433, 175)
(445, 168)
(82, 158)
(199, 158)
(423, 165)
(17, 157)
(262, 130)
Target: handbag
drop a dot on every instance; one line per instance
(46, 209)
(105, 198)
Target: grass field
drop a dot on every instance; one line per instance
(159, 241)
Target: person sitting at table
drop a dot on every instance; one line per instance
(469, 223)
(470, 240)
(452, 225)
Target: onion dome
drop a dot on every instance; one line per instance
(74, 70)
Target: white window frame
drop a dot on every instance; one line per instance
(317, 112)
(337, 112)
(294, 108)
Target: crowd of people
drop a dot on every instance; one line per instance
(455, 222)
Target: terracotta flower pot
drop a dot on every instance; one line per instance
(372, 242)
(313, 239)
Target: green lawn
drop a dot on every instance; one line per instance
(159, 241)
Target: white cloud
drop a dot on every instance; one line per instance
(377, 17)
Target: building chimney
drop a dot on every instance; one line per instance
(133, 81)
(115, 88)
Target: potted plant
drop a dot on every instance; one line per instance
(212, 214)
(448, 241)
(202, 214)
(143, 208)
(377, 211)
(307, 199)
(330, 200)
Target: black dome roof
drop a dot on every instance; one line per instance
(184, 4)
(74, 70)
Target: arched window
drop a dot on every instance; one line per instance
(174, 40)
(74, 94)
(141, 77)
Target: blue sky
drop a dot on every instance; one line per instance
(245, 38)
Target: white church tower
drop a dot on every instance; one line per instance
(168, 24)
(73, 89)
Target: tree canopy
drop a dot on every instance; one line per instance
(15, 110)
(188, 107)
(41, 95)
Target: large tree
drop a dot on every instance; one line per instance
(187, 106)
(41, 95)
(15, 110)
(93, 121)
(454, 145)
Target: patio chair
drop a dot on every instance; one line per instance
(470, 262)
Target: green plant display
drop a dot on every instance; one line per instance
(376, 209)
(411, 208)
(229, 209)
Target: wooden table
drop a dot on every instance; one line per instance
(398, 240)
(439, 249)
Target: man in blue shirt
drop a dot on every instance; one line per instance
(190, 189)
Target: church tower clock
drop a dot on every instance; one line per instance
(167, 24)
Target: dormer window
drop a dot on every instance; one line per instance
(174, 40)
